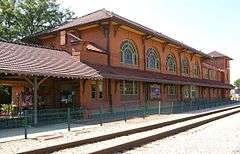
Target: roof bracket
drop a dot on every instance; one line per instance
(146, 37)
(42, 80)
(115, 29)
(192, 55)
(28, 80)
(164, 46)
(105, 29)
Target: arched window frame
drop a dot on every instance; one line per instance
(128, 47)
(152, 63)
(171, 63)
(185, 65)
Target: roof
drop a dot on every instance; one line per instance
(216, 54)
(23, 59)
(93, 47)
(150, 76)
(104, 15)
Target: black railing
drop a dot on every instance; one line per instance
(103, 114)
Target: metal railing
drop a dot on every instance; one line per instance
(105, 114)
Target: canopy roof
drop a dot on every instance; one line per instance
(25, 59)
(149, 76)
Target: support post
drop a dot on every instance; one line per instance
(101, 112)
(159, 107)
(25, 123)
(125, 112)
(35, 84)
(35, 96)
(68, 117)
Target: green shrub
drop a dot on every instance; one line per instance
(7, 109)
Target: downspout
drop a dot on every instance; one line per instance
(109, 64)
(145, 85)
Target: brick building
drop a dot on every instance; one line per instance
(130, 63)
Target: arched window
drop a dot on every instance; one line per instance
(185, 65)
(170, 64)
(128, 53)
(196, 69)
(152, 60)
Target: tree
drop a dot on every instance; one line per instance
(21, 18)
(237, 83)
(4, 90)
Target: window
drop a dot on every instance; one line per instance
(212, 75)
(128, 53)
(94, 89)
(171, 64)
(100, 89)
(152, 59)
(206, 73)
(189, 91)
(129, 88)
(185, 65)
(171, 90)
(193, 91)
(186, 92)
(196, 69)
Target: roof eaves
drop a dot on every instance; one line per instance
(32, 45)
(54, 29)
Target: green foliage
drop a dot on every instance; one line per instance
(4, 90)
(237, 83)
(21, 18)
(8, 109)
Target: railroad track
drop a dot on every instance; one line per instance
(185, 124)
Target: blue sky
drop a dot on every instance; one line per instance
(206, 25)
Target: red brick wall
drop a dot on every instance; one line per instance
(122, 34)
(96, 35)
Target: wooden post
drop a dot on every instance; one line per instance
(35, 96)
(35, 84)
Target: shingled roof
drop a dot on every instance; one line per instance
(24, 59)
(216, 54)
(149, 76)
(104, 15)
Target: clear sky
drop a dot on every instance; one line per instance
(206, 25)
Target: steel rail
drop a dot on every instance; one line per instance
(122, 133)
(149, 139)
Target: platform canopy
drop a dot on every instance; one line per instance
(31, 60)
(155, 77)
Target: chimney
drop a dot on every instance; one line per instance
(63, 37)
(75, 53)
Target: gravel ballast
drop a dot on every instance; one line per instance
(219, 137)
(124, 139)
